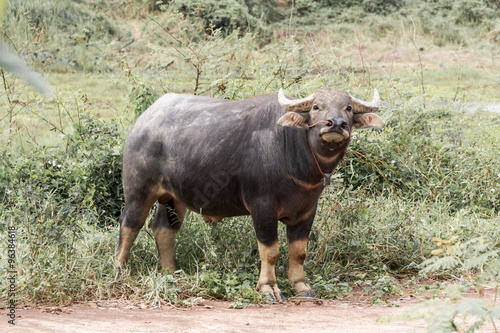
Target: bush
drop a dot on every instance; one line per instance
(446, 20)
(477, 262)
(69, 17)
(419, 157)
(232, 15)
(81, 176)
(63, 35)
(155, 4)
(141, 97)
(98, 145)
(227, 16)
(382, 7)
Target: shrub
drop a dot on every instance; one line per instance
(141, 97)
(477, 262)
(418, 156)
(155, 4)
(382, 7)
(60, 35)
(98, 145)
(80, 176)
(232, 15)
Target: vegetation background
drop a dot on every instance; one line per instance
(432, 173)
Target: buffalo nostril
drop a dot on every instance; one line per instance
(337, 122)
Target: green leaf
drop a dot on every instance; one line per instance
(480, 260)
(473, 306)
(437, 264)
(494, 313)
(14, 64)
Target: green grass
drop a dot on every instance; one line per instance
(462, 84)
(351, 244)
(107, 94)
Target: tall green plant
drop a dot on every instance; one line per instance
(16, 65)
(478, 262)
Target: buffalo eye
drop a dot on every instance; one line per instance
(315, 107)
(349, 108)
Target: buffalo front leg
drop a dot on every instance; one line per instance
(266, 230)
(297, 251)
(269, 254)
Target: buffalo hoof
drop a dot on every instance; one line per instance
(279, 299)
(306, 296)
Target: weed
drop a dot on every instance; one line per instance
(478, 261)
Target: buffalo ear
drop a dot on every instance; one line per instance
(365, 120)
(293, 119)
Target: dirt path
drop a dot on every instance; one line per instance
(345, 316)
(210, 316)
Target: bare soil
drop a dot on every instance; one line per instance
(213, 316)
(355, 314)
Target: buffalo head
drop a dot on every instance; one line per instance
(330, 114)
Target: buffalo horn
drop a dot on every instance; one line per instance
(360, 106)
(297, 105)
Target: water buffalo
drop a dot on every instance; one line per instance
(268, 156)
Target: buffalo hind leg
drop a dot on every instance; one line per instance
(131, 221)
(166, 224)
(297, 249)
